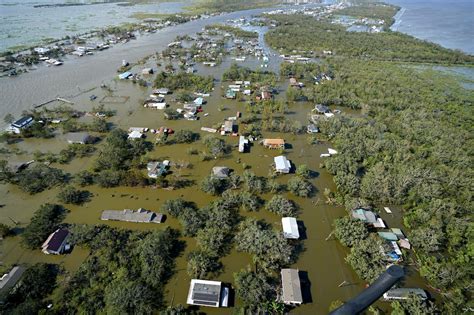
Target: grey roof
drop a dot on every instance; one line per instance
(23, 121)
(290, 281)
(10, 279)
(220, 171)
(204, 293)
(322, 109)
(403, 293)
(77, 137)
(140, 216)
(364, 215)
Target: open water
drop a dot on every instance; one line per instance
(448, 23)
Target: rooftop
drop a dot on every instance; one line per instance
(139, 216)
(290, 281)
(205, 292)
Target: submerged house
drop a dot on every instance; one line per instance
(8, 280)
(220, 172)
(290, 228)
(208, 293)
(228, 127)
(243, 144)
(368, 217)
(56, 243)
(20, 124)
(127, 215)
(291, 287)
(230, 94)
(404, 293)
(78, 138)
(156, 169)
(282, 164)
(274, 143)
(321, 109)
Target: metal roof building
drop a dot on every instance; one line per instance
(139, 216)
(290, 228)
(290, 281)
(207, 293)
(282, 164)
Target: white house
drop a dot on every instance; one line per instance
(290, 228)
(282, 164)
(207, 293)
(20, 124)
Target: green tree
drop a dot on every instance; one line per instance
(201, 263)
(350, 231)
(44, 221)
(300, 187)
(71, 195)
(254, 288)
(281, 206)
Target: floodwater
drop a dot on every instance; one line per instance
(23, 24)
(448, 23)
(83, 73)
(323, 260)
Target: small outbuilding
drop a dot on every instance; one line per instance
(290, 228)
(368, 217)
(291, 287)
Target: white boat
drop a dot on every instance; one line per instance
(332, 151)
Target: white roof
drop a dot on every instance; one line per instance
(205, 293)
(135, 134)
(282, 163)
(290, 228)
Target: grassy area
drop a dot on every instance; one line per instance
(303, 33)
(375, 11)
(211, 6)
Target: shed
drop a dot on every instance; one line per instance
(290, 228)
(291, 287)
(231, 94)
(56, 242)
(207, 293)
(220, 172)
(77, 137)
(282, 164)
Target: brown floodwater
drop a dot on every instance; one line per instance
(322, 260)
